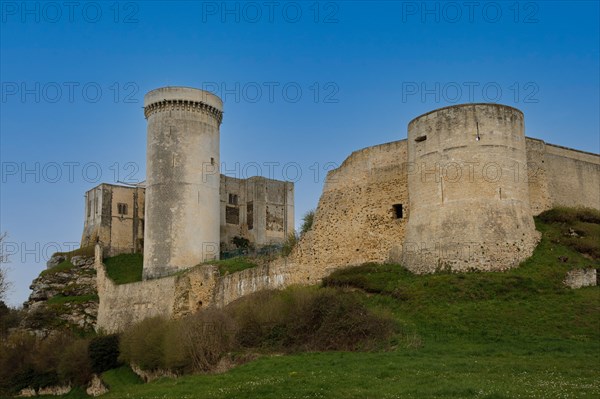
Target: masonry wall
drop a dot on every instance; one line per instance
(177, 296)
(469, 208)
(118, 233)
(573, 177)
(258, 209)
(355, 221)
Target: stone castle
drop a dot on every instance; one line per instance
(458, 194)
(186, 212)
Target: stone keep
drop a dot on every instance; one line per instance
(182, 186)
(468, 190)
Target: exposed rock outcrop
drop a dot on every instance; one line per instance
(578, 278)
(96, 387)
(64, 295)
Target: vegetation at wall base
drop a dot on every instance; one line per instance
(232, 265)
(87, 252)
(125, 268)
(498, 335)
(63, 266)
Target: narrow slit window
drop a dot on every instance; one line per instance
(398, 211)
(421, 138)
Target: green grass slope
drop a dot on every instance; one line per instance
(124, 268)
(516, 334)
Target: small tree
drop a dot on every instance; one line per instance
(4, 283)
(307, 222)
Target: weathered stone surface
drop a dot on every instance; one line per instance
(375, 204)
(46, 391)
(79, 282)
(469, 207)
(578, 278)
(55, 260)
(149, 376)
(96, 387)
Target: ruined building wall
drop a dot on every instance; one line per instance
(182, 186)
(258, 209)
(356, 221)
(114, 216)
(469, 209)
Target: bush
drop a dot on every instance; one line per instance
(199, 341)
(290, 242)
(307, 222)
(75, 365)
(104, 353)
(26, 361)
(296, 319)
(143, 344)
(307, 319)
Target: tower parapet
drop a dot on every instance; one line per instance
(182, 186)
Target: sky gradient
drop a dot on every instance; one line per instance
(303, 83)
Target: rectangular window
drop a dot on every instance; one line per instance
(398, 212)
(232, 215)
(233, 199)
(122, 208)
(250, 215)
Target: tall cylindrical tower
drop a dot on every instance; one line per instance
(182, 179)
(468, 190)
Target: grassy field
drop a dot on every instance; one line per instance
(517, 334)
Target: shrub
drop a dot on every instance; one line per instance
(143, 344)
(290, 242)
(307, 319)
(104, 353)
(26, 361)
(204, 338)
(74, 365)
(307, 222)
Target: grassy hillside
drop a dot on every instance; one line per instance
(125, 268)
(518, 334)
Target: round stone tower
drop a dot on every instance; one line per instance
(182, 179)
(468, 190)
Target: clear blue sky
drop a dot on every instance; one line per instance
(304, 85)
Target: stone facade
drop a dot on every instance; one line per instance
(182, 179)
(114, 216)
(258, 209)
(469, 206)
(384, 198)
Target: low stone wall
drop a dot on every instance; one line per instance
(179, 295)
